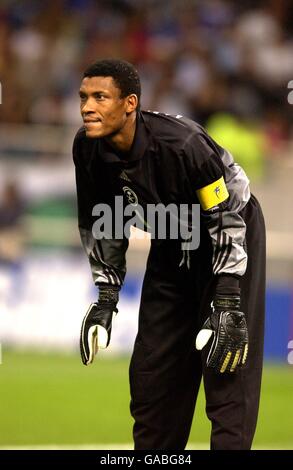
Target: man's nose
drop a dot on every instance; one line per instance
(88, 106)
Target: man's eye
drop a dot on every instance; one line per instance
(100, 97)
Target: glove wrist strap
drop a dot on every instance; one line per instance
(227, 302)
(108, 295)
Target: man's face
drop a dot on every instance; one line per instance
(103, 111)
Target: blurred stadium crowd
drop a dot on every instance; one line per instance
(223, 63)
(196, 57)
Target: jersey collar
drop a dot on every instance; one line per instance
(138, 148)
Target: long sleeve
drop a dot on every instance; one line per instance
(222, 189)
(106, 256)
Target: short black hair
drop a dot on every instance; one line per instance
(123, 73)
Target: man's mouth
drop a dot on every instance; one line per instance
(91, 121)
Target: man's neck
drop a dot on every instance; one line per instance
(122, 141)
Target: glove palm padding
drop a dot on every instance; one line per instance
(97, 325)
(229, 347)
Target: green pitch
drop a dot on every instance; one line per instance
(49, 399)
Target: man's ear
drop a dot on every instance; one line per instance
(131, 103)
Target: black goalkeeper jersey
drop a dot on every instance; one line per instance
(172, 161)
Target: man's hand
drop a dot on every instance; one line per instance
(230, 342)
(97, 324)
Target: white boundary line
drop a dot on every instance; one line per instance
(191, 446)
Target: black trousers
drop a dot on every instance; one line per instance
(165, 368)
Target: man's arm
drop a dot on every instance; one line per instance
(107, 261)
(223, 190)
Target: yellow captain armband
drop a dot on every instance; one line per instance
(213, 194)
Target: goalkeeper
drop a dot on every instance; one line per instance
(202, 311)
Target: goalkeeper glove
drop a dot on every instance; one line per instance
(97, 324)
(230, 337)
